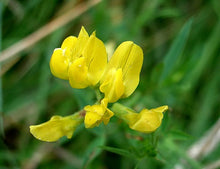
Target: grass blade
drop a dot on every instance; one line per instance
(176, 50)
(1, 98)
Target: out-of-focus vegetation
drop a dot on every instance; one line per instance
(181, 43)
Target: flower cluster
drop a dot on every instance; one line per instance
(83, 62)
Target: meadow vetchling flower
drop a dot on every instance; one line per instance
(81, 60)
(146, 121)
(121, 76)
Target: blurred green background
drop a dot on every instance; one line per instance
(181, 44)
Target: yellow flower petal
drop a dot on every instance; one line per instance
(160, 109)
(148, 120)
(93, 115)
(112, 85)
(97, 113)
(69, 42)
(108, 113)
(132, 69)
(82, 41)
(128, 58)
(106, 118)
(92, 119)
(55, 128)
(78, 74)
(88, 61)
(121, 55)
(68, 46)
(59, 64)
(96, 58)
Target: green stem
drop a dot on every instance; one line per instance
(98, 94)
(123, 112)
(78, 116)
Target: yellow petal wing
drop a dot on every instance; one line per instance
(68, 46)
(59, 64)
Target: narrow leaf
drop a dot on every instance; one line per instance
(1, 98)
(176, 50)
(119, 151)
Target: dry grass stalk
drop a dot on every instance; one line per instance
(46, 30)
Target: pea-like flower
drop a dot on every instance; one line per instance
(81, 60)
(146, 121)
(121, 76)
(97, 113)
(56, 128)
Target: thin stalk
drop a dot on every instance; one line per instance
(1, 98)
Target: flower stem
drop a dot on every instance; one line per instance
(98, 94)
(78, 116)
(123, 112)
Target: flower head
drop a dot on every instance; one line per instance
(121, 76)
(56, 128)
(81, 60)
(97, 113)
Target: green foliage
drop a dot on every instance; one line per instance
(181, 45)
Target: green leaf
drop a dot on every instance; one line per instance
(119, 151)
(207, 55)
(175, 51)
(209, 100)
(179, 135)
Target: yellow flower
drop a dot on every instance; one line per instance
(97, 113)
(121, 76)
(81, 60)
(146, 121)
(56, 128)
